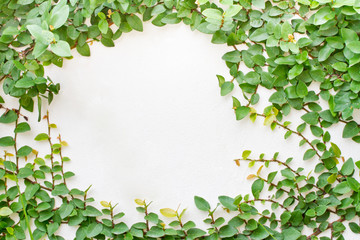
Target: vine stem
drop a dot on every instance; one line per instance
(147, 221)
(280, 162)
(274, 185)
(3, 77)
(24, 209)
(62, 161)
(15, 110)
(15, 138)
(51, 148)
(211, 214)
(266, 200)
(33, 182)
(330, 226)
(295, 132)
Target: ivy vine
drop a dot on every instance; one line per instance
(306, 52)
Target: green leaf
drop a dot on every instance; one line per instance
(301, 89)
(107, 42)
(348, 167)
(355, 228)
(171, 19)
(342, 188)
(288, 60)
(226, 88)
(115, 17)
(259, 35)
(31, 190)
(152, 217)
(286, 30)
(288, 174)
(59, 14)
(335, 42)
(278, 98)
(84, 50)
(41, 137)
(91, 212)
(61, 48)
(257, 187)
(43, 36)
(340, 3)
(134, 22)
(6, 141)
(155, 232)
(52, 228)
(246, 154)
(65, 210)
(188, 225)
(227, 231)
(336, 149)
(232, 10)
(24, 151)
(332, 178)
(5, 211)
(295, 71)
(68, 175)
(219, 37)
(120, 228)
(201, 204)
(60, 189)
(316, 131)
(233, 56)
(310, 118)
(259, 233)
(236, 102)
(8, 117)
(221, 80)
(353, 184)
(325, 53)
(94, 229)
(258, 4)
(251, 225)
(252, 78)
(309, 154)
(348, 35)
(11, 30)
(24, 2)
(323, 15)
(351, 129)
(291, 233)
(194, 233)
(168, 212)
(39, 49)
(103, 26)
(340, 66)
(228, 202)
(212, 13)
(12, 167)
(25, 83)
(241, 112)
(354, 46)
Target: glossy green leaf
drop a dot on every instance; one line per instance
(61, 48)
(135, 22)
(201, 203)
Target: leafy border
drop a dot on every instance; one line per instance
(290, 48)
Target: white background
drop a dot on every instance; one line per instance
(145, 119)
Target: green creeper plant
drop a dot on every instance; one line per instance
(303, 52)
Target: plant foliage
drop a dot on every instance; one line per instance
(303, 51)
